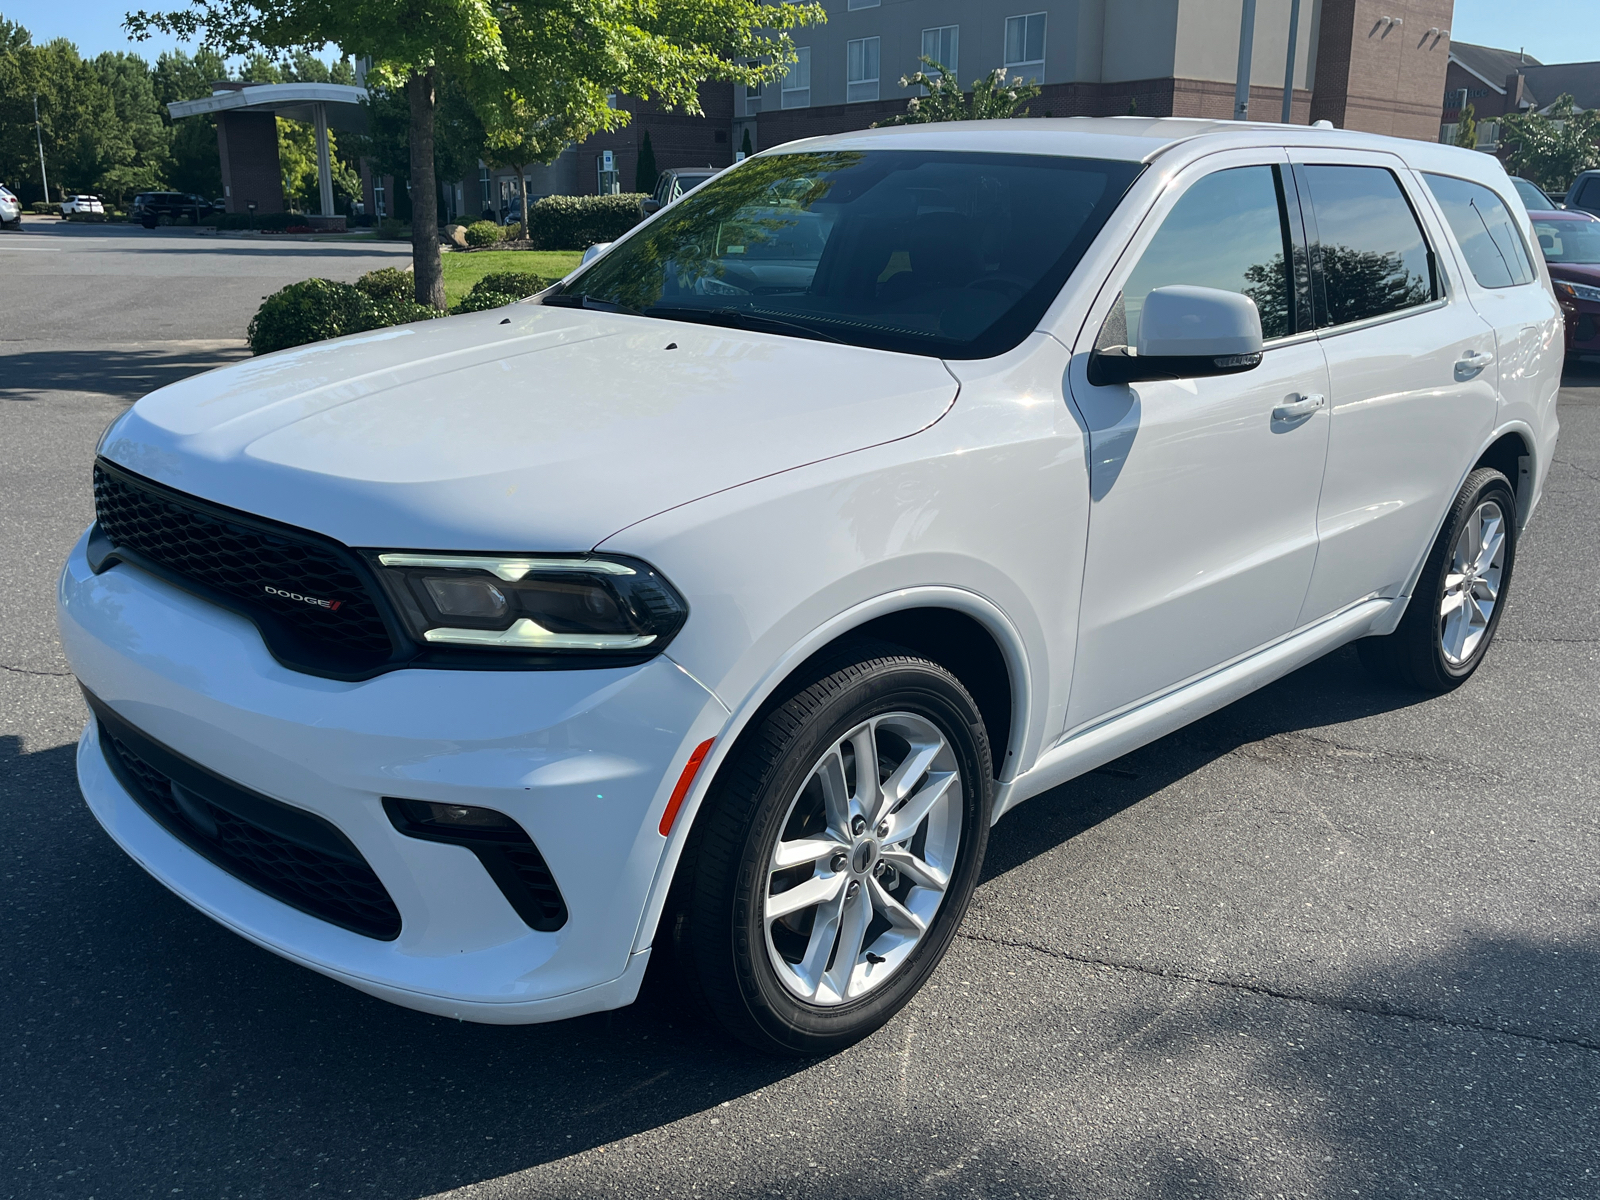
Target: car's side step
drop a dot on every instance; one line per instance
(1097, 745)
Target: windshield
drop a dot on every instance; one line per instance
(1569, 241)
(941, 253)
(1533, 199)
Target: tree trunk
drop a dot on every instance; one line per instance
(522, 182)
(425, 261)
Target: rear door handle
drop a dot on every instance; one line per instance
(1472, 362)
(1300, 406)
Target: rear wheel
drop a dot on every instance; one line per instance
(837, 854)
(1456, 605)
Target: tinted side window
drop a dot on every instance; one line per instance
(1483, 225)
(1373, 256)
(1228, 231)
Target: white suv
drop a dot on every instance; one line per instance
(712, 605)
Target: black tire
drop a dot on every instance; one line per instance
(1414, 654)
(716, 930)
(148, 222)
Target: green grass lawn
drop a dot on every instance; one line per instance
(461, 271)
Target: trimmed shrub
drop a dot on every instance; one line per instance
(479, 301)
(520, 284)
(309, 311)
(391, 230)
(578, 222)
(316, 309)
(45, 208)
(500, 288)
(483, 233)
(400, 310)
(388, 283)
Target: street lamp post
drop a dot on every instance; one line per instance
(1247, 40)
(44, 180)
(1288, 70)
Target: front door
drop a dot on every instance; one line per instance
(1412, 368)
(1202, 528)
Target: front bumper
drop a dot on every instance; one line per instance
(582, 760)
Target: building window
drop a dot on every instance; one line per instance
(943, 45)
(797, 83)
(753, 94)
(487, 181)
(378, 208)
(855, 4)
(861, 75)
(1025, 45)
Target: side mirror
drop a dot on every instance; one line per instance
(649, 205)
(1186, 333)
(594, 252)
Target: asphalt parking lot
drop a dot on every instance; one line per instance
(1336, 940)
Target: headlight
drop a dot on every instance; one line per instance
(542, 605)
(1578, 291)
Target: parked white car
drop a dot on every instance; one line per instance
(81, 205)
(711, 610)
(10, 209)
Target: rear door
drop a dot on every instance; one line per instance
(1202, 527)
(1499, 269)
(1412, 370)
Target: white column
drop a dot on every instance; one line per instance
(324, 163)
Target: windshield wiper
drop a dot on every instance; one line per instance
(582, 300)
(738, 318)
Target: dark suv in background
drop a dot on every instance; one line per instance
(168, 208)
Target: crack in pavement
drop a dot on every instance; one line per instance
(25, 671)
(1342, 1004)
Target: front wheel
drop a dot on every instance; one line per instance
(837, 853)
(1456, 605)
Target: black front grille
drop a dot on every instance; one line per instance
(290, 854)
(235, 559)
(541, 887)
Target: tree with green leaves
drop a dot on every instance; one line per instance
(139, 156)
(1467, 128)
(540, 69)
(646, 172)
(1551, 147)
(992, 98)
(386, 144)
(195, 166)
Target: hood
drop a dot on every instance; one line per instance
(524, 428)
(1576, 272)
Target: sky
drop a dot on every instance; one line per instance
(1551, 30)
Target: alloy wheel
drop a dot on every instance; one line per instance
(1472, 583)
(863, 859)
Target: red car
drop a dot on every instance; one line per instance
(1571, 245)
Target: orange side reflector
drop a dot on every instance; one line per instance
(690, 770)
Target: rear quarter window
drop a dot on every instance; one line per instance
(1487, 232)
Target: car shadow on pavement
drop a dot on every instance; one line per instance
(126, 372)
(148, 1042)
(155, 1051)
(1330, 690)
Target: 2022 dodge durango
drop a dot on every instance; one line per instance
(709, 611)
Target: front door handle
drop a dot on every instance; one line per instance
(1297, 407)
(1471, 363)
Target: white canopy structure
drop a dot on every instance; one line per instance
(320, 104)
